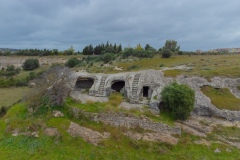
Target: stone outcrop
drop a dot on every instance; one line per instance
(87, 134)
(144, 87)
(51, 132)
(154, 137)
(128, 121)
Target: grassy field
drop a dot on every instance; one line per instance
(8, 96)
(117, 146)
(222, 98)
(202, 65)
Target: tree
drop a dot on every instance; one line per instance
(171, 45)
(51, 89)
(179, 100)
(166, 53)
(69, 51)
(139, 47)
(120, 48)
(30, 64)
(147, 47)
(88, 50)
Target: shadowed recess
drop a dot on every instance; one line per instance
(84, 83)
(118, 85)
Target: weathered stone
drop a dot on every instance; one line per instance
(15, 132)
(51, 132)
(57, 113)
(155, 81)
(154, 137)
(129, 121)
(190, 130)
(87, 134)
(217, 150)
(32, 85)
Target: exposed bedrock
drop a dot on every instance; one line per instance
(145, 86)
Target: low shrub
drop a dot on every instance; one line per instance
(30, 64)
(166, 53)
(72, 62)
(179, 100)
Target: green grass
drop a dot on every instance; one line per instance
(228, 131)
(172, 73)
(8, 96)
(119, 147)
(222, 98)
(116, 147)
(23, 74)
(61, 123)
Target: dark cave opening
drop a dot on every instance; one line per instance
(118, 85)
(145, 91)
(84, 83)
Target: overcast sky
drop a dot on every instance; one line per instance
(205, 24)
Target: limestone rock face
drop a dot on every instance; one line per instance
(144, 87)
(154, 137)
(87, 134)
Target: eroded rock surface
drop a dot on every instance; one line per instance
(144, 87)
(154, 137)
(87, 134)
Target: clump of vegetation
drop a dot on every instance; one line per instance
(171, 45)
(51, 90)
(107, 57)
(132, 67)
(179, 100)
(9, 71)
(30, 64)
(3, 111)
(238, 87)
(140, 53)
(72, 62)
(166, 53)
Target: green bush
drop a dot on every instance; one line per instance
(7, 82)
(9, 71)
(137, 53)
(30, 64)
(107, 57)
(72, 62)
(166, 53)
(178, 100)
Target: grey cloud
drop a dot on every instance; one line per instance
(60, 24)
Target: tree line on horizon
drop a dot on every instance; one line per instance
(170, 47)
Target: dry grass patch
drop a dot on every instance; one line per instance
(222, 98)
(8, 96)
(172, 73)
(202, 65)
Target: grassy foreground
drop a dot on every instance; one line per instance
(117, 146)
